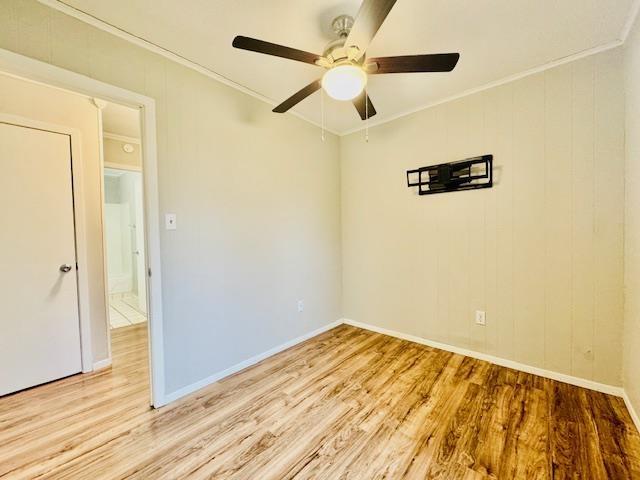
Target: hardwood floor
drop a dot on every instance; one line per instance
(346, 404)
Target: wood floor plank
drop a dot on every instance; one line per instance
(347, 404)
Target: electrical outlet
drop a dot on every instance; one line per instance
(481, 318)
(300, 305)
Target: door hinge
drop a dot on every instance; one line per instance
(149, 271)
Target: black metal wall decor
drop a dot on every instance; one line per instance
(469, 174)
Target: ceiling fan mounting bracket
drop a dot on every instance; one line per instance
(342, 24)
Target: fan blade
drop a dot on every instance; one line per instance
(365, 110)
(260, 46)
(441, 62)
(297, 97)
(370, 17)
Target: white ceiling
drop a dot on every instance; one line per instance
(121, 120)
(496, 39)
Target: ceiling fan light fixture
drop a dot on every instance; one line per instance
(344, 82)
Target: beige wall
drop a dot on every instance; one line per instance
(541, 252)
(38, 102)
(257, 199)
(632, 220)
(115, 156)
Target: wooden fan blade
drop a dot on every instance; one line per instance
(370, 17)
(363, 109)
(441, 62)
(297, 97)
(260, 46)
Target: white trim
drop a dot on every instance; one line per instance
(153, 255)
(140, 42)
(100, 105)
(41, 72)
(632, 411)
(82, 277)
(247, 363)
(157, 49)
(490, 85)
(121, 166)
(560, 377)
(631, 20)
(102, 364)
(120, 138)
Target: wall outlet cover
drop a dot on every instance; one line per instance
(170, 220)
(300, 305)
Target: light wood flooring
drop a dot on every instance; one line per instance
(346, 404)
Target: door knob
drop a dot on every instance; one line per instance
(65, 268)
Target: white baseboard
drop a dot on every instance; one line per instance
(632, 411)
(244, 364)
(99, 365)
(561, 377)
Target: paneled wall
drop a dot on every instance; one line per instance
(257, 197)
(258, 200)
(541, 252)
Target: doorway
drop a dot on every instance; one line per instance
(124, 245)
(87, 180)
(123, 224)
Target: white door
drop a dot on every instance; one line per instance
(39, 321)
(141, 269)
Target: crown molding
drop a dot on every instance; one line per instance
(490, 85)
(159, 50)
(628, 26)
(624, 34)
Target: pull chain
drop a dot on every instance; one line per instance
(322, 111)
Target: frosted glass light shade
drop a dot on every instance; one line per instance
(344, 82)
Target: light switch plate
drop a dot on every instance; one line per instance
(481, 318)
(170, 221)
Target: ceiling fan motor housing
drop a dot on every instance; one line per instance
(335, 52)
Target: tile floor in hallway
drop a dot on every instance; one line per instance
(124, 310)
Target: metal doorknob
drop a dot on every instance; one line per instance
(65, 268)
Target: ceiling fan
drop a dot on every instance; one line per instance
(345, 61)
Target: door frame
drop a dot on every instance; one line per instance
(26, 68)
(78, 202)
(125, 169)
